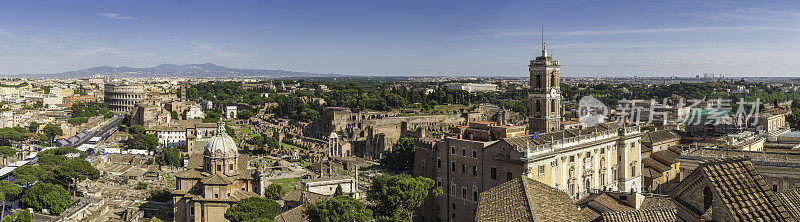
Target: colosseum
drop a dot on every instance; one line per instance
(123, 97)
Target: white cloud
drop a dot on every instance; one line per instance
(115, 16)
(93, 50)
(211, 51)
(525, 33)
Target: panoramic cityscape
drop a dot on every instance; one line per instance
(417, 111)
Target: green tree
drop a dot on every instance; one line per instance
(143, 141)
(253, 208)
(399, 196)
(257, 140)
(211, 117)
(8, 189)
(402, 156)
(90, 109)
(29, 174)
(175, 115)
(338, 191)
(244, 114)
(141, 186)
(160, 195)
(274, 192)
(339, 208)
(272, 143)
(18, 215)
(52, 130)
(46, 196)
(9, 134)
(168, 156)
(136, 130)
(78, 120)
(794, 119)
(33, 127)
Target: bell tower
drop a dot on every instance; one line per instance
(545, 93)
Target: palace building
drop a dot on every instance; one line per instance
(477, 157)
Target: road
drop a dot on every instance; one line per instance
(107, 127)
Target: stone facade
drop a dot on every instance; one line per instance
(123, 97)
(575, 162)
(230, 112)
(150, 115)
(327, 186)
(204, 193)
(373, 133)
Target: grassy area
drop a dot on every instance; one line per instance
(169, 178)
(288, 184)
(290, 146)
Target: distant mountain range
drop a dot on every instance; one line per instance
(207, 70)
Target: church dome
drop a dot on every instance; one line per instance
(221, 143)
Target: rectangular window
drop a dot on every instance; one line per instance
(463, 168)
(453, 150)
(452, 166)
(474, 170)
(422, 165)
(219, 167)
(541, 169)
(474, 154)
(463, 152)
(439, 162)
(453, 191)
(509, 176)
(463, 192)
(494, 173)
(572, 159)
(474, 195)
(191, 211)
(230, 167)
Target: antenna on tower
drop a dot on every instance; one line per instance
(544, 46)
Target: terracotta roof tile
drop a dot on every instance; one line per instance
(524, 199)
(649, 215)
(743, 190)
(791, 200)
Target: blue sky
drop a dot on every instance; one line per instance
(383, 37)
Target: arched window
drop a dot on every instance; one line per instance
(774, 185)
(571, 188)
(538, 81)
(553, 80)
(541, 82)
(587, 184)
(708, 198)
(553, 106)
(603, 177)
(538, 107)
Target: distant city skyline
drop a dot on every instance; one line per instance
(407, 38)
